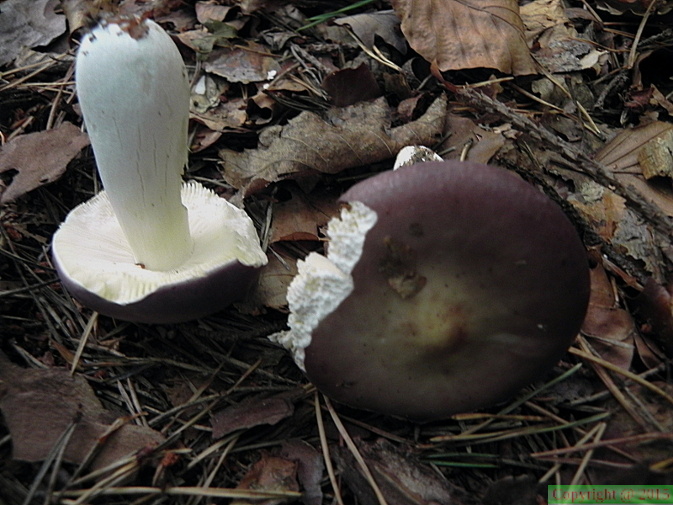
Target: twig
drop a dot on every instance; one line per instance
(636, 378)
(325, 450)
(82, 341)
(633, 439)
(597, 434)
(356, 453)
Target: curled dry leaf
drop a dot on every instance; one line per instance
(301, 215)
(457, 35)
(467, 136)
(270, 473)
(27, 24)
(252, 63)
(251, 412)
(611, 328)
(310, 468)
(558, 46)
(39, 158)
(347, 137)
(366, 26)
(40, 405)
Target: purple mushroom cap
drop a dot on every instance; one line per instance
(471, 284)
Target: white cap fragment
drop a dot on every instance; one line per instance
(324, 282)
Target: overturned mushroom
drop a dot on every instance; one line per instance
(148, 248)
(447, 287)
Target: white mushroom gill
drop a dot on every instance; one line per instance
(134, 94)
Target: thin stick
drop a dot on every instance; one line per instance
(325, 450)
(621, 371)
(82, 341)
(356, 453)
(599, 430)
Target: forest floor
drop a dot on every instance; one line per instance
(291, 104)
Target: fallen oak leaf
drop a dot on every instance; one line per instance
(347, 137)
(457, 35)
(39, 158)
(40, 405)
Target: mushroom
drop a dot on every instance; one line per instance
(149, 248)
(447, 287)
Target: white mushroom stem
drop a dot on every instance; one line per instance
(134, 94)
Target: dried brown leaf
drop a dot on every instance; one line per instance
(269, 474)
(301, 216)
(611, 327)
(465, 133)
(621, 153)
(27, 24)
(39, 158)
(464, 34)
(39, 405)
(274, 279)
(251, 412)
(558, 46)
(402, 478)
(369, 25)
(208, 11)
(349, 86)
(347, 137)
(310, 468)
(252, 63)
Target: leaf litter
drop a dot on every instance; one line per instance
(100, 411)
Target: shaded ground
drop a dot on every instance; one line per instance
(214, 411)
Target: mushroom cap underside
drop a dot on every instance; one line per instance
(176, 302)
(97, 266)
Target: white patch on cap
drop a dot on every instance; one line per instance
(324, 282)
(410, 155)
